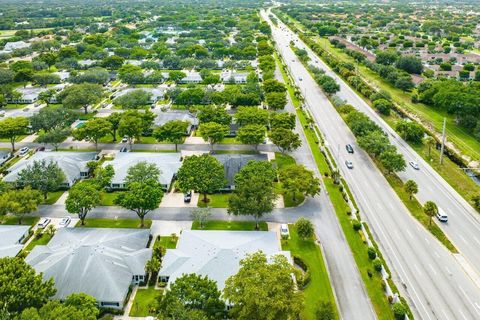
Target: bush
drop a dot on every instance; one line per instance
(325, 311)
(356, 225)
(399, 311)
(377, 265)
(372, 253)
(369, 273)
(305, 228)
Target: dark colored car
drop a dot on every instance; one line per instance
(349, 148)
(124, 149)
(187, 197)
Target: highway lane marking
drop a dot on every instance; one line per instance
(426, 240)
(468, 298)
(418, 269)
(466, 242)
(476, 239)
(463, 315)
(436, 254)
(433, 269)
(448, 270)
(409, 233)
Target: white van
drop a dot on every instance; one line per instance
(442, 215)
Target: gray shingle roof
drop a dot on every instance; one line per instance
(217, 254)
(99, 262)
(71, 163)
(168, 163)
(164, 117)
(10, 237)
(232, 163)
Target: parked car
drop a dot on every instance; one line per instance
(187, 197)
(24, 151)
(43, 223)
(124, 149)
(442, 215)
(414, 165)
(349, 164)
(65, 222)
(284, 233)
(349, 148)
(124, 139)
(40, 149)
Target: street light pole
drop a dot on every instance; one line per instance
(443, 140)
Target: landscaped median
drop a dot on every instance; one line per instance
(381, 292)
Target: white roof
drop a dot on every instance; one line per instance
(10, 46)
(10, 237)
(217, 254)
(97, 261)
(167, 162)
(71, 163)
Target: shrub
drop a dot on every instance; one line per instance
(399, 311)
(305, 228)
(325, 311)
(372, 253)
(369, 273)
(377, 265)
(356, 225)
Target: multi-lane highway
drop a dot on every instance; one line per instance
(436, 285)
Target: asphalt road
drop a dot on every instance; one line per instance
(431, 278)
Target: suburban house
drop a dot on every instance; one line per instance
(232, 164)
(192, 77)
(234, 77)
(216, 254)
(164, 117)
(100, 262)
(4, 156)
(157, 93)
(73, 165)
(15, 45)
(167, 163)
(11, 239)
(30, 94)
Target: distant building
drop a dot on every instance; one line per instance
(157, 93)
(233, 163)
(100, 262)
(192, 77)
(11, 239)
(16, 45)
(234, 77)
(164, 117)
(73, 165)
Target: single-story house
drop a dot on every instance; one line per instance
(4, 156)
(157, 93)
(233, 163)
(64, 75)
(216, 254)
(15, 45)
(87, 63)
(167, 163)
(73, 165)
(100, 262)
(164, 117)
(234, 77)
(11, 239)
(192, 77)
(30, 94)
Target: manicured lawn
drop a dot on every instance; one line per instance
(230, 140)
(53, 196)
(12, 220)
(319, 288)
(230, 225)
(43, 240)
(283, 160)
(217, 200)
(144, 302)
(166, 242)
(113, 223)
(107, 198)
(19, 138)
(15, 106)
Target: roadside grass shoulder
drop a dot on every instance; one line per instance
(230, 225)
(113, 223)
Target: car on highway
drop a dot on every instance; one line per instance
(124, 139)
(349, 164)
(64, 222)
(442, 215)
(43, 223)
(187, 197)
(300, 78)
(124, 149)
(349, 148)
(414, 165)
(284, 233)
(24, 151)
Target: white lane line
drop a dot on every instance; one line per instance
(468, 299)
(433, 269)
(463, 238)
(448, 270)
(409, 233)
(391, 206)
(426, 240)
(436, 254)
(476, 239)
(463, 315)
(418, 269)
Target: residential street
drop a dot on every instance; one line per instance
(423, 269)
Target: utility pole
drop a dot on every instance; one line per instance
(443, 140)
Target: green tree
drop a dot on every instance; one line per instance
(143, 172)
(195, 292)
(410, 64)
(176, 76)
(254, 190)
(374, 143)
(81, 96)
(284, 139)
(273, 85)
(93, 130)
(201, 215)
(305, 228)
(50, 119)
(54, 137)
(173, 131)
(383, 106)
(253, 134)
(411, 187)
(21, 202)
(410, 131)
(22, 287)
(284, 120)
(296, 179)
(399, 311)
(203, 174)
(214, 114)
(212, 132)
(392, 161)
(276, 100)
(263, 289)
(134, 99)
(430, 209)
(114, 119)
(42, 175)
(251, 115)
(12, 128)
(130, 126)
(430, 142)
(82, 198)
(141, 198)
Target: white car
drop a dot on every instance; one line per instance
(349, 164)
(124, 139)
(284, 230)
(24, 151)
(43, 223)
(414, 165)
(65, 222)
(442, 215)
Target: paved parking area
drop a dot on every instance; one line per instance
(175, 200)
(166, 228)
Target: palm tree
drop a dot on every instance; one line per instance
(411, 187)
(152, 267)
(430, 209)
(336, 176)
(430, 142)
